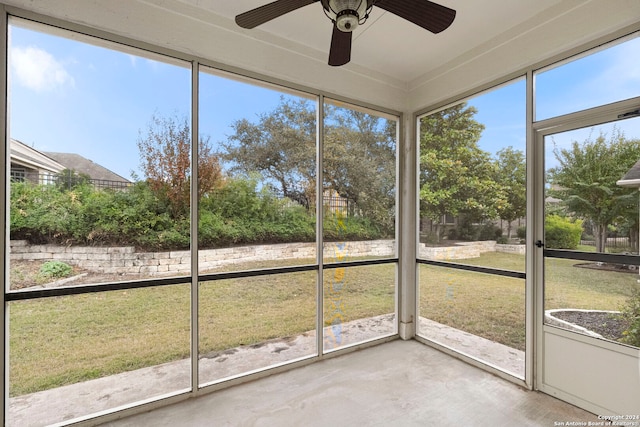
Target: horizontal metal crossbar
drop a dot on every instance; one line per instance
(474, 268)
(593, 256)
(23, 295)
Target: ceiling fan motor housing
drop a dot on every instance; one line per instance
(347, 14)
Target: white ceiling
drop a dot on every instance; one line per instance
(386, 43)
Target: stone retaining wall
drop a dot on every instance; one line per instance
(125, 260)
(466, 250)
(511, 249)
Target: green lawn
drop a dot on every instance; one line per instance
(485, 305)
(493, 306)
(64, 340)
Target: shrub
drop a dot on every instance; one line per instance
(452, 234)
(349, 228)
(521, 232)
(237, 213)
(502, 240)
(489, 231)
(430, 238)
(562, 233)
(467, 231)
(55, 270)
(631, 316)
(43, 213)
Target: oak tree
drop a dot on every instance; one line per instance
(280, 147)
(358, 156)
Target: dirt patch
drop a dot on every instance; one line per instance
(25, 274)
(609, 325)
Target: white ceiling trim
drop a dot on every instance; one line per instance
(504, 39)
(256, 35)
(555, 32)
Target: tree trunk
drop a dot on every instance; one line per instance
(600, 234)
(633, 238)
(437, 231)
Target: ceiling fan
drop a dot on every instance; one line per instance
(346, 15)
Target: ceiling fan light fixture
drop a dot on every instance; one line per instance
(347, 20)
(347, 14)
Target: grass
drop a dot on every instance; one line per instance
(485, 305)
(494, 307)
(65, 340)
(569, 286)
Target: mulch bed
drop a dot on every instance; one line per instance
(609, 325)
(621, 268)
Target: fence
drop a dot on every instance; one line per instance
(611, 243)
(337, 204)
(333, 204)
(68, 181)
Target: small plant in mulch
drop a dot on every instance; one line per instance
(631, 316)
(51, 270)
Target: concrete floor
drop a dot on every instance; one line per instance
(401, 383)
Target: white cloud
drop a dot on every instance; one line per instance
(38, 70)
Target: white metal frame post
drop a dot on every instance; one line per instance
(195, 338)
(406, 236)
(319, 226)
(4, 250)
(534, 198)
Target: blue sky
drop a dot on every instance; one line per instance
(70, 96)
(503, 112)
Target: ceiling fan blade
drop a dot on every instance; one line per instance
(340, 52)
(262, 14)
(428, 15)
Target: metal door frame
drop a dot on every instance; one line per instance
(592, 117)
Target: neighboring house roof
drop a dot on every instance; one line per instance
(83, 165)
(43, 162)
(632, 177)
(25, 156)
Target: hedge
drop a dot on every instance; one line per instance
(237, 213)
(561, 232)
